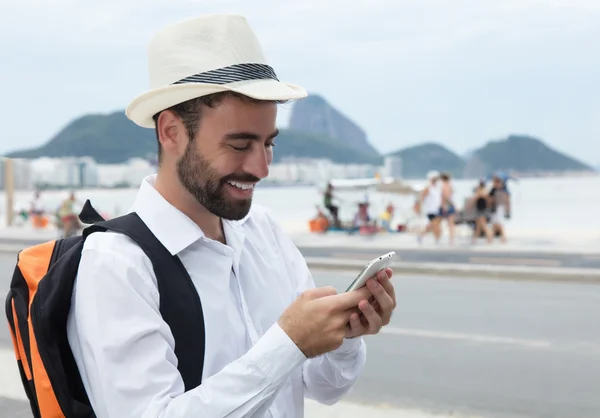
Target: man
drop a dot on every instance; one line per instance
(431, 204)
(67, 216)
(500, 199)
(328, 203)
(448, 210)
(36, 211)
(272, 338)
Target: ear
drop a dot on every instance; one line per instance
(171, 134)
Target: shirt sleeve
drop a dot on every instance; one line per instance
(125, 351)
(329, 377)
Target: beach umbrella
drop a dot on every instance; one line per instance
(396, 187)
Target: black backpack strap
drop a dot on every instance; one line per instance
(179, 301)
(88, 214)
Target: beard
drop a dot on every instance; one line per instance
(209, 189)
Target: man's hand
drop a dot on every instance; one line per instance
(316, 321)
(375, 313)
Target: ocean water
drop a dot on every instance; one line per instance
(541, 207)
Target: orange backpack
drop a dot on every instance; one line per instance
(38, 304)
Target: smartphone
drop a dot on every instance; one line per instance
(371, 269)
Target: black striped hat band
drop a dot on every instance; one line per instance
(231, 74)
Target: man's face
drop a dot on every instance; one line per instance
(232, 152)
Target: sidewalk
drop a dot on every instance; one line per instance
(589, 244)
(549, 244)
(350, 252)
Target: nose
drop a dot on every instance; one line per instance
(257, 162)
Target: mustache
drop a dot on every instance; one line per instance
(241, 178)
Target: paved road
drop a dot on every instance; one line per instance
(491, 348)
(460, 256)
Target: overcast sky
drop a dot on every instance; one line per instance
(456, 72)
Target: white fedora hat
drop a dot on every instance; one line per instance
(205, 55)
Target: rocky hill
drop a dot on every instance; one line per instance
(113, 138)
(418, 160)
(317, 130)
(110, 138)
(522, 154)
(314, 114)
(526, 154)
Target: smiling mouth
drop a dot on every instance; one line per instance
(242, 185)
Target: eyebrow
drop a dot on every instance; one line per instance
(248, 135)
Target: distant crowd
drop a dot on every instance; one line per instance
(485, 211)
(65, 217)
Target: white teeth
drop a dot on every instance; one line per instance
(243, 186)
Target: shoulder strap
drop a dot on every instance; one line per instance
(179, 301)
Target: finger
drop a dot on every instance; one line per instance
(355, 327)
(372, 317)
(386, 303)
(375, 306)
(348, 300)
(389, 289)
(320, 292)
(381, 274)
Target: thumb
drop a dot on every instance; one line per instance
(320, 292)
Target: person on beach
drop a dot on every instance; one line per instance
(37, 211)
(272, 337)
(500, 204)
(386, 217)
(448, 210)
(431, 205)
(328, 203)
(68, 217)
(479, 205)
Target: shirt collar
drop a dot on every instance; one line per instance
(175, 230)
(171, 226)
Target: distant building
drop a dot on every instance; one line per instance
(392, 166)
(67, 172)
(22, 174)
(316, 171)
(129, 174)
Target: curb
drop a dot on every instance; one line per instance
(487, 271)
(521, 273)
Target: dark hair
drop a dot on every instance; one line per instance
(190, 112)
(445, 176)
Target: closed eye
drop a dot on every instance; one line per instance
(240, 149)
(249, 145)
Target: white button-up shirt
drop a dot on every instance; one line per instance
(125, 351)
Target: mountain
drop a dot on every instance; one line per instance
(418, 160)
(314, 114)
(113, 138)
(108, 139)
(516, 153)
(316, 130)
(526, 154)
(299, 144)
